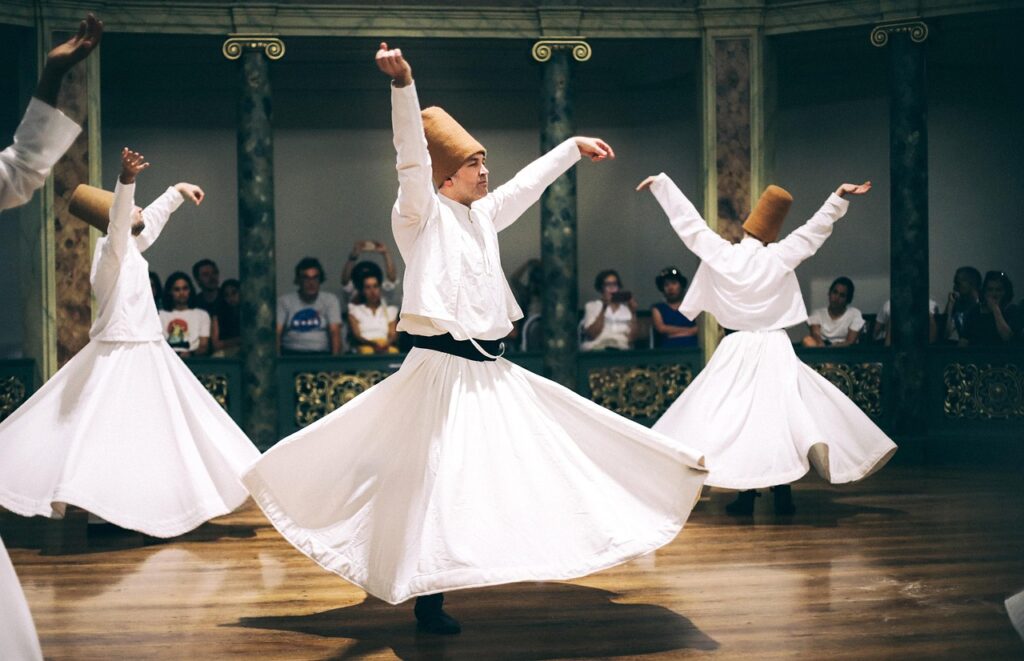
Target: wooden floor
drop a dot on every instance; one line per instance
(911, 564)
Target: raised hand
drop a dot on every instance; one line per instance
(853, 189)
(646, 183)
(190, 192)
(67, 55)
(394, 65)
(75, 49)
(595, 149)
(132, 163)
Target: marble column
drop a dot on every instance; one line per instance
(558, 213)
(733, 137)
(908, 208)
(256, 236)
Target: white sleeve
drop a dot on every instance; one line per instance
(204, 323)
(804, 241)
(43, 136)
(591, 311)
(510, 200)
(417, 198)
(856, 320)
(155, 216)
(814, 318)
(689, 225)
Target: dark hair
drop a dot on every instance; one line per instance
(364, 270)
(168, 295)
(200, 264)
(158, 289)
(308, 263)
(992, 276)
(972, 274)
(846, 282)
(230, 282)
(670, 273)
(599, 280)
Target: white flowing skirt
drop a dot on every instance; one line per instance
(762, 417)
(454, 474)
(18, 639)
(125, 431)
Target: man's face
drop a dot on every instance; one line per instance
(469, 183)
(137, 223)
(371, 291)
(837, 297)
(673, 290)
(208, 277)
(309, 282)
(962, 285)
(232, 296)
(180, 291)
(609, 286)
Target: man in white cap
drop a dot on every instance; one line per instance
(760, 415)
(44, 135)
(462, 469)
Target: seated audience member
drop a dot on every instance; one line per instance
(883, 327)
(966, 296)
(309, 320)
(994, 322)
(371, 321)
(840, 323)
(157, 288)
(227, 321)
(610, 321)
(207, 276)
(671, 328)
(186, 327)
(387, 284)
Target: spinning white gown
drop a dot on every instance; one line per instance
(761, 416)
(454, 473)
(124, 430)
(43, 136)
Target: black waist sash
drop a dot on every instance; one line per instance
(461, 348)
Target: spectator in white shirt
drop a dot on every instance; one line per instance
(350, 272)
(839, 324)
(186, 327)
(371, 320)
(610, 321)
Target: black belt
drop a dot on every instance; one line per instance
(461, 348)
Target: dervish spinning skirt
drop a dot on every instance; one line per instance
(125, 431)
(453, 473)
(762, 417)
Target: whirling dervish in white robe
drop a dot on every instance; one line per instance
(463, 469)
(125, 430)
(760, 415)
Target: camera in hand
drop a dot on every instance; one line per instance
(622, 296)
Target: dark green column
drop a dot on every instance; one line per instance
(558, 228)
(908, 208)
(256, 248)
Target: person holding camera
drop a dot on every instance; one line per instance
(610, 321)
(349, 276)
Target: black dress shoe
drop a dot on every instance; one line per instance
(743, 505)
(431, 618)
(784, 500)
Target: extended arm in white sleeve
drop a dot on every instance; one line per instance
(417, 198)
(510, 200)
(44, 134)
(804, 241)
(120, 229)
(155, 216)
(688, 223)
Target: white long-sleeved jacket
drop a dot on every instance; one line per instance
(120, 274)
(747, 286)
(453, 277)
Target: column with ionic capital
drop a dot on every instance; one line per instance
(908, 209)
(256, 266)
(558, 251)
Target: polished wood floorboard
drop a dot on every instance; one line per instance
(913, 563)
